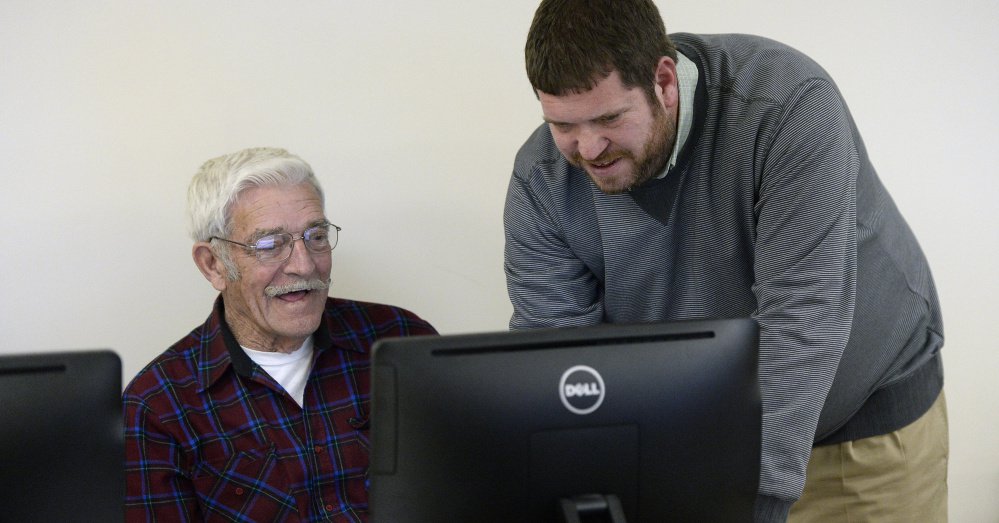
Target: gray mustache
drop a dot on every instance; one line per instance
(302, 285)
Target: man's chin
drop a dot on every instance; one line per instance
(612, 185)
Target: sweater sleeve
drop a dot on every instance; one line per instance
(548, 284)
(805, 274)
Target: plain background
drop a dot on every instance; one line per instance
(411, 113)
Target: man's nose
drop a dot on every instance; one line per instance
(591, 144)
(300, 261)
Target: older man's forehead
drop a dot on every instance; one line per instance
(274, 209)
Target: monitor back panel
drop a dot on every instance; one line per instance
(678, 420)
(61, 440)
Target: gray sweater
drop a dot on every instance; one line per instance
(773, 211)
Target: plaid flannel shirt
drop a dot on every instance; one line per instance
(209, 436)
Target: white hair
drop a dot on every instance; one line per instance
(218, 183)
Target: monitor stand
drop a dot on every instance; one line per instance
(592, 508)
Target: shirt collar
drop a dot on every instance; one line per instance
(686, 75)
(220, 351)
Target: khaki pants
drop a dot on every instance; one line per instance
(900, 476)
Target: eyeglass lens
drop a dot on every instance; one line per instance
(278, 246)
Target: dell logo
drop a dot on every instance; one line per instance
(581, 389)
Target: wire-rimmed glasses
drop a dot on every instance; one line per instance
(277, 247)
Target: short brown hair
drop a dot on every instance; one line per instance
(573, 44)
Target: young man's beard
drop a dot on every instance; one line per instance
(655, 156)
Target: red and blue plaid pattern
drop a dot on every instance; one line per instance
(209, 436)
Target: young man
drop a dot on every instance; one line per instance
(688, 176)
(259, 414)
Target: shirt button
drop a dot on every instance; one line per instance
(239, 491)
(329, 508)
(318, 449)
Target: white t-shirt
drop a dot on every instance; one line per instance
(290, 370)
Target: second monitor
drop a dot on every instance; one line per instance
(657, 422)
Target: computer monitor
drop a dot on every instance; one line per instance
(61, 442)
(656, 422)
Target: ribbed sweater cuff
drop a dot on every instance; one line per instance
(769, 509)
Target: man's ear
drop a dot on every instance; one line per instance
(210, 265)
(667, 84)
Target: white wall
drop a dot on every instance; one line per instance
(411, 113)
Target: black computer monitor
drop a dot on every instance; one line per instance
(657, 422)
(61, 441)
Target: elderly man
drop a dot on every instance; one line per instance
(260, 413)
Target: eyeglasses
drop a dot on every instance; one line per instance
(277, 247)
